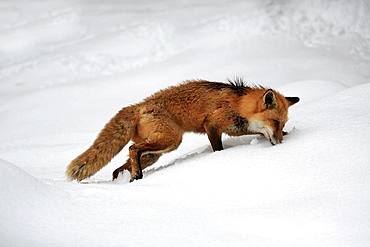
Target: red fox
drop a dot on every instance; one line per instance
(156, 125)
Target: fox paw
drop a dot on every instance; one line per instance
(136, 177)
(115, 174)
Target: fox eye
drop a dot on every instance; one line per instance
(276, 123)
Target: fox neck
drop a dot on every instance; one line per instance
(244, 108)
(250, 104)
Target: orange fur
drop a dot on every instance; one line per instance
(156, 125)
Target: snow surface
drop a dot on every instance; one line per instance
(67, 66)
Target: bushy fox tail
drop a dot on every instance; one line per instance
(110, 141)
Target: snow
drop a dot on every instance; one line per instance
(67, 67)
(29, 205)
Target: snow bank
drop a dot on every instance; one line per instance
(29, 209)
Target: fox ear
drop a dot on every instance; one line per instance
(292, 100)
(269, 99)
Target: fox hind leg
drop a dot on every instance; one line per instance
(139, 151)
(156, 134)
(120, 169)
(146, 160)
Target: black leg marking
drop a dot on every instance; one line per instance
(215, 139)
(140, 174)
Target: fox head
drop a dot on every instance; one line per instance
(269, 113)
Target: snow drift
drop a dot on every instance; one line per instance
(29, 208)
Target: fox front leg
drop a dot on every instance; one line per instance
(214, 137)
